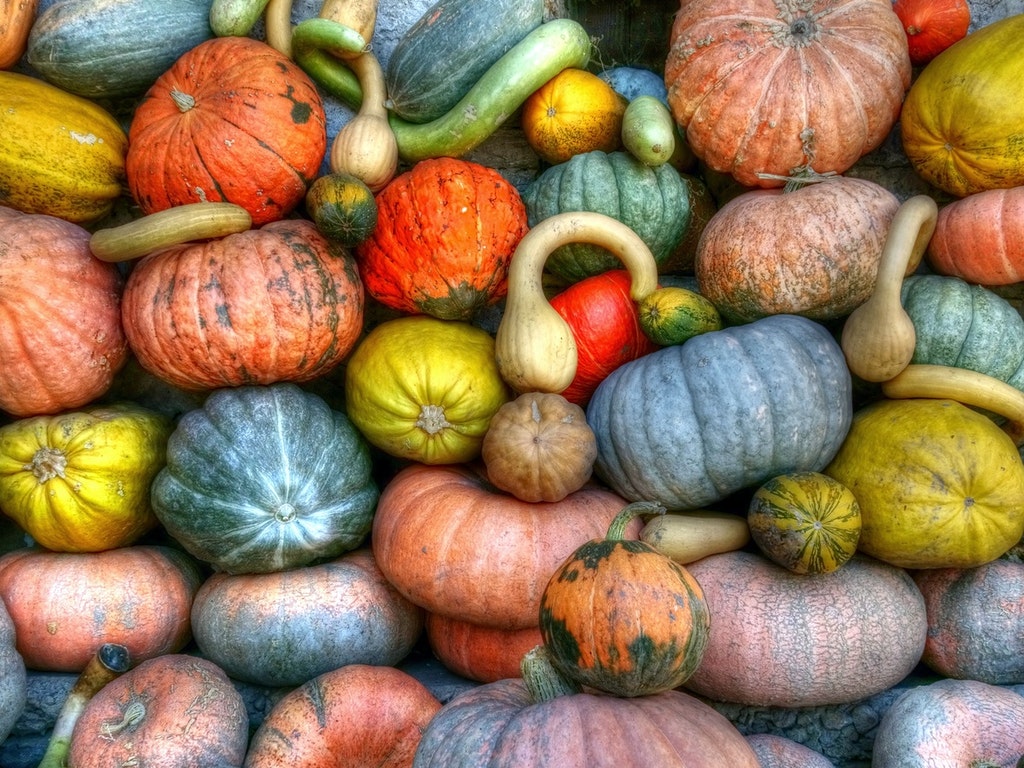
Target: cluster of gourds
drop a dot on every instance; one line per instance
(692, 415)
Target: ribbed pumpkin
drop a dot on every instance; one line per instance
(960, 124)
(233, 119)
(745, 403)
(653, 202)
(265, 478)
(980, 238)
(278, 303)
(446, 230)
(623, 618)
(770, 87)
(61, 337)
(812, 251)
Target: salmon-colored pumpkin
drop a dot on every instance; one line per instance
(61, 339)
(775, 751)
(64, 605)
(354, 716)
(279, 303)
(771, 86)
(980, 238)
(453, 544)
(478, 652)
(446, 230)
(172, 711)
(234, 120)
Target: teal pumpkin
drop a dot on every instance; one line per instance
(653, 202)
(690, 424)
(265, 478)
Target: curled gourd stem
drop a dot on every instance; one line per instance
(978, 390)
(277, 23)
(534, 346)
(617, 528)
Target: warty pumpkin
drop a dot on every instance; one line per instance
(232, 120)
(764, 89)
(58, 353)
(278, 303)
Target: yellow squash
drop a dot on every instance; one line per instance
(79, 481)
(60, 154)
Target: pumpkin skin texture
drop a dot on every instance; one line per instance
(169, 712)
(744, 404)
(13, 679)
(623, 618)
(478, 652)
(282, 629)
(279, 303)
(446, 230)
(790, 640)
(932, 25)
(767, 87)
(261, 479)
(939, 484)
(342, 207)
(975, 621)
(425, 389)
(813, 251)
(79, 481)
(353, 716)
(960, 124)
(776, 751)
(64, 604)
(605, 323)
(980, 238)
(455, 545)
(57, 355)
(653, 202)
(226, 107)
(951, 722)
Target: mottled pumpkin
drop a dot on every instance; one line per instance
(233, 119)
(446, 230)
(278, 303)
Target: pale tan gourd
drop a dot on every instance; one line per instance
(172, 226)
(534, 345)
(689, 536)
(878, 337)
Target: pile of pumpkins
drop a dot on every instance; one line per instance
(292, 384)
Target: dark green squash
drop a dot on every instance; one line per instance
(653, 202)
(108, 49)
(449, 48)
(265, 478)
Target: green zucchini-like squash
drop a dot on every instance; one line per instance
(265, 478)
(108, 49)
(449, 48)
(653, 202)
(693, 423)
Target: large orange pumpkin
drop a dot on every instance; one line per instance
(980, 238)
(233, 119)
(279, 303)
(771, 86)
(61, 339)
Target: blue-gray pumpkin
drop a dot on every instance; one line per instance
(688, 425)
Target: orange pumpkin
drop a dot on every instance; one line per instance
(478, 652)
(171, 711)
(354, 716)
(279, 303)
(61, 338)
(446, 230)
(232, 120)
(932, 25)
(771, 87)
(980, 238)
(455, 545)
(64, 605)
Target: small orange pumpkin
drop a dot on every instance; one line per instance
(980, 238)
(478, 652)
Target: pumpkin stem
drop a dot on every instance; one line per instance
(183, 101)
(800, 176)
(617, 529)
(543, 681)
(47, 463)
(133, 715)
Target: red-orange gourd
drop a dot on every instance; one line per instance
(478, 652)
(446, 230)
(232, 120)
(932, 25)
(279, 303)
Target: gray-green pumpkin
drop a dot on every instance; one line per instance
(653, 202)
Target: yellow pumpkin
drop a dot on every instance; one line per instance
(572, 113)
(60, 154)
(938, 483)
(79, 481)
(961, 120)
(425, 389)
